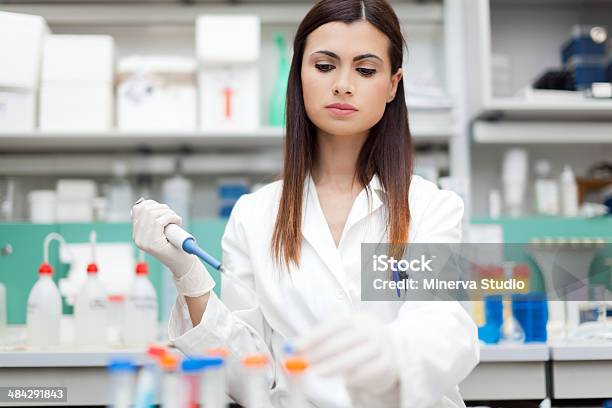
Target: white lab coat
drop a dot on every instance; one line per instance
(436, 342)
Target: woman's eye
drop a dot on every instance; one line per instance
(324, 67)
(366, 71)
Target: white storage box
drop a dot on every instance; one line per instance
(77, 107)
(21, 42)
(157, 93)
(227, 39)
(229, 98)
(76, 189)
(17, 109)
(78, 58)
(74, 211)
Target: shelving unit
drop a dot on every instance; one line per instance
(525, 37)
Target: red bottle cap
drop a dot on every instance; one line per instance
(45, 269)
(156, 351)
(142, 268)
(92, 268)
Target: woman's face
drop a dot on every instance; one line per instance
(347, 64)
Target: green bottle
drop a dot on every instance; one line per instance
(276, 114)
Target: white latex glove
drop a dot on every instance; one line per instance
(149, 219)
(358, 349)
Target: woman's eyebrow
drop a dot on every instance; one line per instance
(357, 58)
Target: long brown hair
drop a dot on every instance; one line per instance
(387, 151)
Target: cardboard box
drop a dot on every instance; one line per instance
(229, 99)
(21, 42)
(72, 107)
(17, 109)
(86, 58)
(157, 94)
(227, 39)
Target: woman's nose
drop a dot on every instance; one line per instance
(343, 84)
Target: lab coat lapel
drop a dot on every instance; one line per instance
(364, 206)
(316, 231)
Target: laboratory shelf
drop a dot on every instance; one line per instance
(266, 137)
(581, 351)
(181, 14)
(542, 132)
(62, 357)
(518, 108)
(514, 352)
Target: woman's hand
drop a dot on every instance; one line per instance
(357, 348)
(149, 219)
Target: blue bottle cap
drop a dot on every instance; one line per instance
(117, 365)
(192, 365)
(212, 362)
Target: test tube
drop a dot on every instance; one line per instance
(296, 367)
(192, 374)
(149, 378)
(212, 386)
(223, 353)
(171, 382)
(122, 378)
(258, 395)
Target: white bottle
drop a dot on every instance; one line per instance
(546, 190)
(514, 180)
(120, 195)
(90, 310)
(140, 322)
(44, 310)
(569, 193)
(3, 317)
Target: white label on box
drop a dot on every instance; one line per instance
(229, 99)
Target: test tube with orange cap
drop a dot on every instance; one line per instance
(296, 367)
(171, 381)
(258, 391)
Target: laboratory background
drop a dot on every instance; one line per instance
(510, 106)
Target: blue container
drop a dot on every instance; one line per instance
(609, 69)
(494, 318)
(531, 311)
(586, 71)
(581, 44)
(229, 192)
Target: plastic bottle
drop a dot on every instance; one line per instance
(569, 192)
(90, 310)
(44, 310)
(122, 378)
(546, 190)
(120, 195)
(296, 367)
(276, 116)
(258, 395)
(3, 318)
(140, 322)
(212, 387)
(514, 179)
(171, 382)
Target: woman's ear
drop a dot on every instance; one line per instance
(395, 79)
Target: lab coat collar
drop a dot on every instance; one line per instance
(316, 230)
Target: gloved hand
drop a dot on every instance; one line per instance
(358, 349)
(149, 219)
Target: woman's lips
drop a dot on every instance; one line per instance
(341, 110)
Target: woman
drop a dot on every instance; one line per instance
(346, 180)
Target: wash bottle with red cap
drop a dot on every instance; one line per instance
(44, 308)
(140, 323)
(91, 307)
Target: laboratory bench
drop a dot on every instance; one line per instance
(505, 372)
